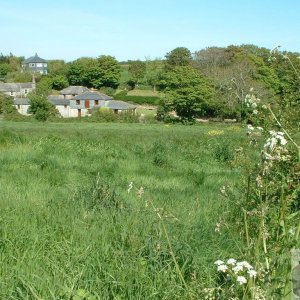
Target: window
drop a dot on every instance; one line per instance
(18, 106)
(65, 105)
(11, 93)
(31, 65)
(26, 91)
(77, 102)
(45, 65)
(96, 102)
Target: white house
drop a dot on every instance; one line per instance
(79, 105)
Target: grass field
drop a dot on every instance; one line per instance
(70, 229)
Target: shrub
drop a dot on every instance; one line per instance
(150, 100)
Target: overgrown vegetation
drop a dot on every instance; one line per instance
(73, 228)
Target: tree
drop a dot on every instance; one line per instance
(77, 71)
(104, 71)
(180, 56)
(6, 105)
(154, 69)
(187, 91)
(137, 71)
(234, 71)
(57, 67)
(59, 82)
(4, 69)
(40, 107)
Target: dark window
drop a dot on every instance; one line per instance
(65, 106)
(77, 102)
(18, 106)
(96, 102)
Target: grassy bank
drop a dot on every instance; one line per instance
(70, 226)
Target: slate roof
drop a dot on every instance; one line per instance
(92, 96)
(57, 100)
(21, 101)
(74, 90)
(14, 87)
(120, 105)
(34, 59)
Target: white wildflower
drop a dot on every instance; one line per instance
(250, 127)
(219, 262)
(237, 268)
(241, 280)
(260, 128)
(255, 111)
(222, 268)
(246, 265)
(231, 261)
(252, 273)
(254, 105)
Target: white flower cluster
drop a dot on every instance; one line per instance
(240, 270)
(275, 149)
(252, 102)
(276, 138)
(251, 128)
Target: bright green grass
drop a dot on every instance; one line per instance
(68, 224)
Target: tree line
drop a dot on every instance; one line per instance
(211, 82)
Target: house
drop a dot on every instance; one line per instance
(17, 89)
(72, 91)
(119, 106)
(77, 106)
(22, 105)
(61, 104)
(84, 102)
(35, 64)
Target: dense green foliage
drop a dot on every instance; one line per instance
(70, 226)
(6, 105)
(150, 100)
(40, 107)
(186, 91)
(178, 57)
(101, 72)
(137, 71)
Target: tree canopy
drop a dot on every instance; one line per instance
(104, 71)
(186, 90)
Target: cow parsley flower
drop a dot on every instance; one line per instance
(219, 262)
(231, 261)
(252, 273)
(222, 268)
(241, 280)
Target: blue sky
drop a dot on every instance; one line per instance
(132, 29)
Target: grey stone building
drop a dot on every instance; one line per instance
(35, 64)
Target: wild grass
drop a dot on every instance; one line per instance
(69, 228)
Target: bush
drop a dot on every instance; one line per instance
(107, 115)
(150, 100)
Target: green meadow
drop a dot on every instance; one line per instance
(81, 206)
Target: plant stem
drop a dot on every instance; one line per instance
(171, 249)
(287, 134)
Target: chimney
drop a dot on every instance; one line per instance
(33, 82)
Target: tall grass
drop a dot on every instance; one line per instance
(69, 228)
